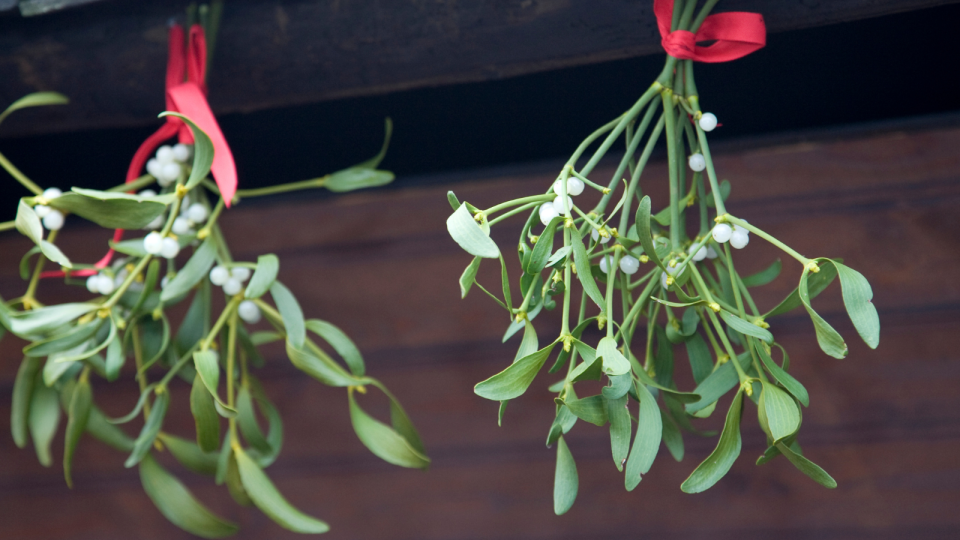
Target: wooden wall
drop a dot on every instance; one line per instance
(884, 423)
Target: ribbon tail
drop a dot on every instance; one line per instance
(191, 102)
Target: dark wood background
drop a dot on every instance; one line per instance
(884, 423)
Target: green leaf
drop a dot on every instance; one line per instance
(792, 385)
(115, 359)
(36, 99)
(235, 483)
(701, 363)
(614, 363)
(23, 387)
(469, 276)
(291, 314)
(111, 209)
(505, 283)
(724, 193)
(141, 401)
(620, 427)
(745, 327)
(764, 276)
(643, 231)
(373, 162)
(779, 414)
(322, 367)
(513, 381)
(150, 429)
(204, 415)
(193, 272)
(807, 467)
(43, 420)
(672, 438)
(178, 505)
(565, 480)
(263, 277)
(357, 178)
(208, 369)
(647, 442)
(453, 200)
(467, 232)
(190, 455)
(77, 415)
(717, 384)
(134, 246)
(266, 497)
(202, 151)
(618, 387)
(196, 323)
(107, 433)
(816, 283)
(269, 447)
(28, 223)
(53, 253)
(857, 298)
(543, 248)
(73, 336)
(46, 319)
(719, 461)
(828, 338)
(559, 255)
(383, 440)
(247, 419)
(583, 269)
(340, 343)
(589, 409)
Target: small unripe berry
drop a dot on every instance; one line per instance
(153, 243)
(722, 232)
(697, 162)
(219, 275)
(53, 221)
(708, 121)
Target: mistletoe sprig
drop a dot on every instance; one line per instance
(675, 290)
(78, 345)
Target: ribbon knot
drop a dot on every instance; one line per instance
(733, 34)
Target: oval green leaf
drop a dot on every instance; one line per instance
(178, 505)
(467, 232)
(719, 461)
(383, 440)
(266, 497)
(263, 277)
(565, 479)
(513, 381)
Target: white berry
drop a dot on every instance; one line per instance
(181, 152)
(249, 312)
(722, 232)
(41, 210)
(547, 213)
(559, 207)
(663, 277)
(700, 255)
(711, 253)
(170, 172)
(629, 265)
(164, 282)
(169, 248)
(708, 121)
(574, 186)
(104, 284)
(240, 272)
(147, 193)
(153, 243)
(605, 262)
(232, 286)
(53, 221)
(51, 193)
(197, 213)
(156, 223)
(595, 234)
(219, 275)
(165, 154)
(182, 225)
(696, 162)
(154, 168)
(739, 239)
(93, 284)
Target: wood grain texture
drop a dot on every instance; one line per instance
(290, 52)
(380, 265)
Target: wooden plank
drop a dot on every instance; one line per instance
(288, 53)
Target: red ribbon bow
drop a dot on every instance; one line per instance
(735, 34)
(186, 93)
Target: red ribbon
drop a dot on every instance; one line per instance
(186, 93)
(735, 34)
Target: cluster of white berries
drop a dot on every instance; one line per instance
(101, 284)
(191, 215)
(737, 236)
(51, 217)
(705, 252)
(697, 163)
(232, 282)
(166, 166)
(628, 264)
(555, 208)
(165, 246)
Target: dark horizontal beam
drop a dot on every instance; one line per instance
(109, 57)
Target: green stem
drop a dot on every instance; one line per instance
(7, 225)
(135, 185)
(741, 223)
(513, 212)
(523, 200)
(231, 360)
(19, 176)
(635, 177)
(670, 127)
(141, 374)
(611, 276)
(228, 311)
(281, 188)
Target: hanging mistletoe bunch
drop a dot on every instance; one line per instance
(672, 271)
(207, 358)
